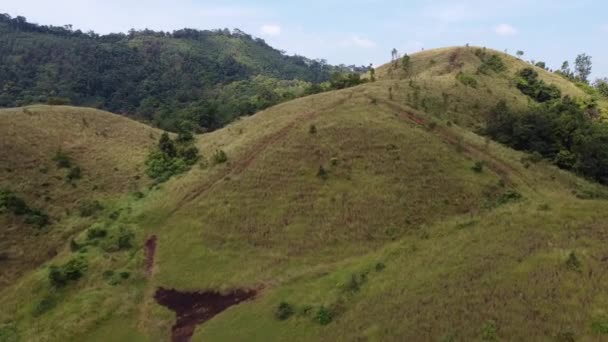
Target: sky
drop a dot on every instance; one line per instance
(357, 31)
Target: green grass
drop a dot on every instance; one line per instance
(462, 257)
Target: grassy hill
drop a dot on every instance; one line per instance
(103, 157)
(355, 214)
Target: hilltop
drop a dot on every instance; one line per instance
(374, 212)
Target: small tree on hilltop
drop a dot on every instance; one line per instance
(519, 53)
(583, 67)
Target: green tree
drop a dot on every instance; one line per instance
(519, 53)
(405, 64)
(583, 67)
(601, 84)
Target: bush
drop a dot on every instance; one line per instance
(467, 80)
(321, 173)
(60, 276)
(220, 157)
(62, 160)
(489, 331)
(96, 233)
(529, 84)
(44, 305)
(324, 316)
(284, 311)
(312, 129)
(478, 166)
(125, 238)
(89, 208)
(490, 63)
(572, 262)
(10, 202)
(189, 154)
(380, 266)
(74, 174)
(161, 167)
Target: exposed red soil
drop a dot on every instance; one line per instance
(193, 308)
(150, 247)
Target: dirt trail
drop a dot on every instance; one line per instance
(493, 163)
(246, 160)
(253, 153)
(150, 249)
(193, 308)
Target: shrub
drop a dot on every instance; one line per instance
(125, 238)
(89, 208)
(44, 305)
(62, 160)
(10, 202)
(161, 167)
(189, 154)
(380, 266)
(478, 166)
(572, 262)
(321, 173)
(529, 84)
(355, 281)
(324, 315)
(74, 174)
(73, 270)
(508, 197)
(489, 331)
(220, 157)
(283, 311)
(467, 80)
(491, 63)
(600, 326)
(96, 233)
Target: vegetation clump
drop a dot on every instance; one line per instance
(467, 80)
(11, 203)
(529, 84)
(489, 62)
(560, 131)
(284, 311)
(171, 157)
(324, 315)
(60, 276)
(220, 157)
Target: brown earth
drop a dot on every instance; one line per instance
(193, 308)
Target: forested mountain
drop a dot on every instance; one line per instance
(164, 77)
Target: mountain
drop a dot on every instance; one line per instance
(385, 211)
(160, 77)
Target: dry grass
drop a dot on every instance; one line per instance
(109, 149)
(399, 189)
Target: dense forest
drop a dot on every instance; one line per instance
(204, 78)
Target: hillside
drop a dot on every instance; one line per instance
(364, 213)
(104, 155)
(159, 77)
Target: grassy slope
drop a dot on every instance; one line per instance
(108, 148)
(399, 193)
(444, 96)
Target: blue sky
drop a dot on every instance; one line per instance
(357, 31)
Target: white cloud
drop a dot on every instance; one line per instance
(359, 42)
(270, 30)
(505, 30)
